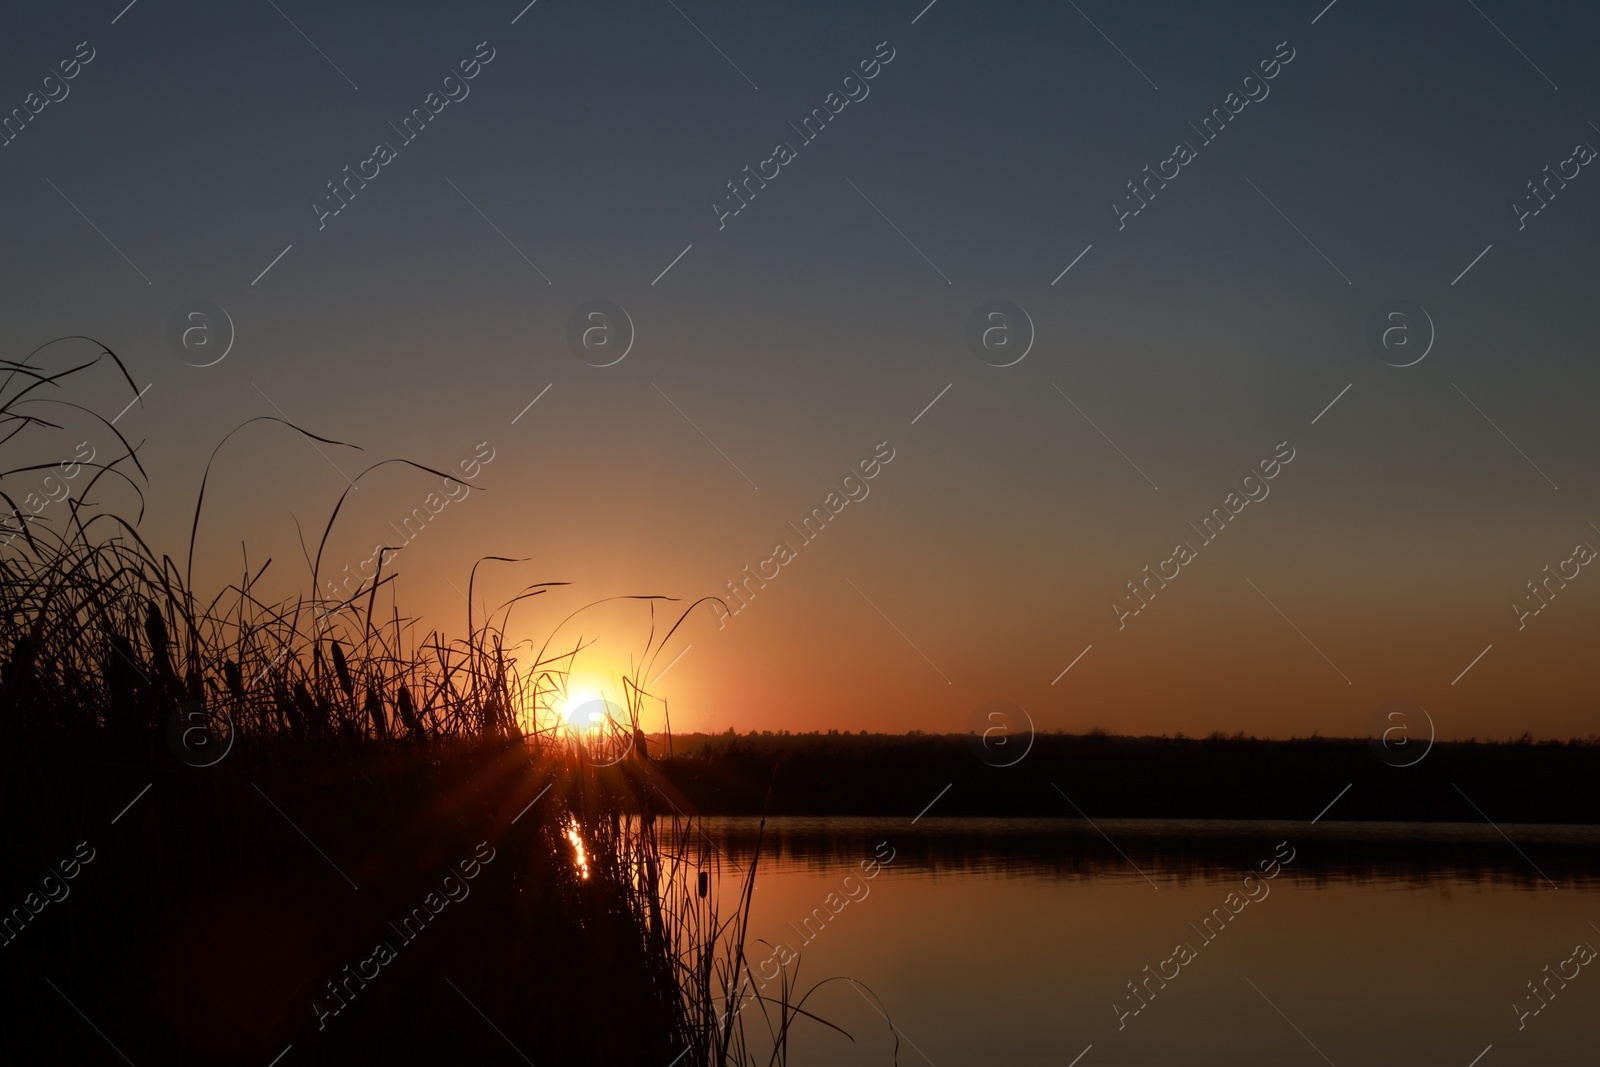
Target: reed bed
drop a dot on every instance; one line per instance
(602, 931)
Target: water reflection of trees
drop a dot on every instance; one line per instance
(1387, 853)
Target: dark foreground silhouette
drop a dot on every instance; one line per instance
(364, 906)
(240, 829)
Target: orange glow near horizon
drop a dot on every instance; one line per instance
(806, 651)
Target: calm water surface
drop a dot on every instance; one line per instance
(989, 941)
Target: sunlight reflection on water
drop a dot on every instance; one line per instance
(1015, 941)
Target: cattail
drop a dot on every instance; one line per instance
(380, 723)
(311, 711)
(287, 710)
(234, 678)
(155, 628)
(705, 884)
(342, 670)
(408, 712)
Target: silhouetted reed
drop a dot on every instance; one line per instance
(291, 747)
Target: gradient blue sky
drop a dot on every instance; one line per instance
(808, 330)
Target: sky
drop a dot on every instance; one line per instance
(1160, 343)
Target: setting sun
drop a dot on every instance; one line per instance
(587, 701)
(580, 708)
